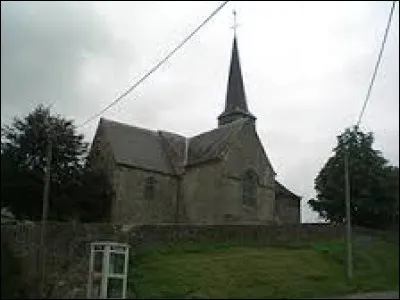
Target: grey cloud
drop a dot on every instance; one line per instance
(43, 48)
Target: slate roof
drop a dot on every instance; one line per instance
(134, 146)
(212, 144)
(163, 151)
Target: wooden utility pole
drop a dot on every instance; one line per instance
(349, 265)
(45, 209)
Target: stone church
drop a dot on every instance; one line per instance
(222, 176)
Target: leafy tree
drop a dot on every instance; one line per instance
(23, 164)
(393, 190)
(373, 184)
(94, 203)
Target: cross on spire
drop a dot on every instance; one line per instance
(235, 102)
(235, 24)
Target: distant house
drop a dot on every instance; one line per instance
(217, 177)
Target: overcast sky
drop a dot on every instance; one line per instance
(306, 67)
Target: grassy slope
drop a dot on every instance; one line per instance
(256, 271)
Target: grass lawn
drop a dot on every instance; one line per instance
(255, 271)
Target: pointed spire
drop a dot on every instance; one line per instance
(236, 104)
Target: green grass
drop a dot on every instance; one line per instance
(255, 271)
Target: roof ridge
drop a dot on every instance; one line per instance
(128, 125)
(284, 189)
(170, 132)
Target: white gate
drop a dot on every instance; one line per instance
(108, 270)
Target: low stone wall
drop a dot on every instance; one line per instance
(266, 234)
(68, 245)
(67, 255)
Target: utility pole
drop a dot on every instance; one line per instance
(349, 265)
(45, 209)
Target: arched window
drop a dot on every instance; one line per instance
(249, 188)
(149, 188)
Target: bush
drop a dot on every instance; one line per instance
(12, 286)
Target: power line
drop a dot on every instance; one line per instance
(377, 64)
(349, 249)
(152, 70)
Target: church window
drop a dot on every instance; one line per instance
(149, 189)
(249, 189)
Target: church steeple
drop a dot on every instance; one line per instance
(235, 103)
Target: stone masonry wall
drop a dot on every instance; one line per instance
(102, 160)
(213, 191)
(67, 255)
(287, 210)
(202, 193)
(246, 153)
(131, 205)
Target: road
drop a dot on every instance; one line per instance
(381, 295)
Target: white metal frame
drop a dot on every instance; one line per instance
(107, 248)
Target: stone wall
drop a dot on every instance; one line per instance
(102, 160)
(213, 191)
(264, 234)
(131, 206)
(128, 203)
(246, 153)
(68, 245)
(287, 210)
(203, 193)
(67, 255)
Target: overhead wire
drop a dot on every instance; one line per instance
(153, 69)
(368, 95)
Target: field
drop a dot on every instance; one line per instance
(239, 270)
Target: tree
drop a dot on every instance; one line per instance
(393, 190)
(12, 281)
(94, 203)
(373, 183)
(23, 164)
